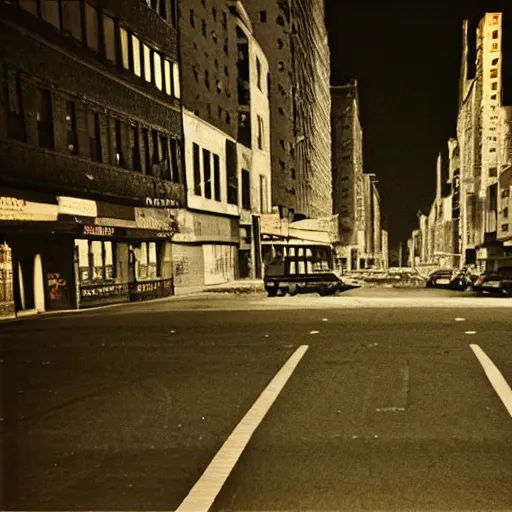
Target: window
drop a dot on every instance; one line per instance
(192, 19)
(493, 97)
(147, 154)
(72, 138)
(91, 27)
(260, 132)
(293, 173)
(246, 190)
(94, 134)
(495, 62)
(16, 117)
(280, 20)
(203, 27)
(207, 169)
(494, 47)
(258, 73)
(228, 118)
(136, 62)
(505, 212)
(147, 62)
(167, 77)
(494, 73)
(207, 79)
(135, 149)
(175, 160)
(155, 160)
(224, 21)
(146, 258)
(197, 169)
(50, 12)
(280, 65)
(29, 5)
(216, 177)
(44, 117)
(495, 34)
(214, 36)
(280, 43)
(244, 129)
(493, 172)
(72, 19)
(119, 134)
(95, 260)
(263, 194)
(125, 51)
(109, 35)
(157, 66)
(176, 80)
(165, 165)
(214, 13)
(263, 16)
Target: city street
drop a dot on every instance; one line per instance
(378, 400)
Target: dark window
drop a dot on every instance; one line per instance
(192, 18)
(244, 129)
(147, 153)
(505, 212)
(261, 131)
(258, 73)
(165, 165)
(72, 19)
(16, 118)
(216, 176)
(224, 21)
(494, 73)
(44, 117)
(119, 133)
(91, 27)
(207, 174)
(93, 131)
(246, 190)
(263, 16)
(214, 13)
(493, 172)
(280, 43)
(280, 20)
(50, 12)
(135, 149)
(155, 155)
(294, 176)
(495, 62)
(207, 79)
(197, 169)
(175, 160)
(72, 136)
(231, 172)
(203, 27)
(228, 118)
(495, 34)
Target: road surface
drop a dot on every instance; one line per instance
(372, 400)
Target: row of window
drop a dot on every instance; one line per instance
(160, 156)
(203, 163)
(160, 7)
(104, 35)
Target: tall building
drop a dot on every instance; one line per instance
(294, 38)
(90, 150)
(226, 119)
(347, 173)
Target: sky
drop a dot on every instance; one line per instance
(407, 64)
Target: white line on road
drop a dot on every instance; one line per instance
(495, 377)
(202, 495)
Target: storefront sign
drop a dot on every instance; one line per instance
(76, 206)
(17, 208)
(161, 203)
(99, 230)
(108, 290)
(148, 287)
(157, 219)
(165, 234)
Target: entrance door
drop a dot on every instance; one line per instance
(38, 284)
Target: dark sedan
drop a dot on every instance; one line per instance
(448, 278)
(495, 283)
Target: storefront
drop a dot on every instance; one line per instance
(76, 253)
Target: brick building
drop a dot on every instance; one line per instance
(294, 38)
(90, 149)
(227, 143)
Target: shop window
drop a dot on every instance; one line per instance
(216, 177)
(92, 27)
(157, 66)
(197, 169)
(136, 56)
(147, 62)
(72, 19)
(135, 149)
(146, 259)
(72, 136)
(94, 133)
(95, 260)
(50, 12)
(246, 190)
(44, 117)
(207, 172)
(16, 119)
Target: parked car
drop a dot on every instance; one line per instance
(495, 283)
(453, 279)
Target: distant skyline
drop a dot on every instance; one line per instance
(407, 64)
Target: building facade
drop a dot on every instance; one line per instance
(294, 39)
(347, 174)
(227, 138)
(90, 158)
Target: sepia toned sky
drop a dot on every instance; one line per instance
(407, 63)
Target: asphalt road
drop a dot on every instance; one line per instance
(388, 408)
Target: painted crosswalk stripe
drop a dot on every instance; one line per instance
(495, 377)
(204, 492)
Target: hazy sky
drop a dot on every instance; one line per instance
(407, 63)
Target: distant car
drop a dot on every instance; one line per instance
(449, 278)
(495, 283)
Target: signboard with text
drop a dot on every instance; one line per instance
(17, 208)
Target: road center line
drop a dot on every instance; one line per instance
(495, 377)
(202, 495)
